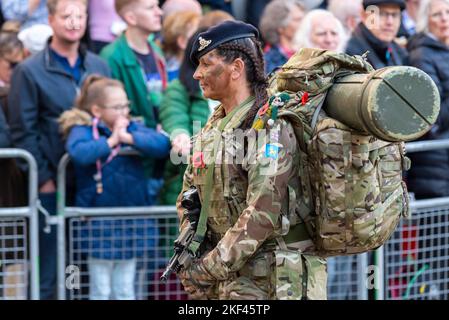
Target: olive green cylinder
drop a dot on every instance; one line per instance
(393, 103)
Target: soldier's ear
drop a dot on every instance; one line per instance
(238, 68)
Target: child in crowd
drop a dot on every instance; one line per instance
(96, 129)
(136, 60)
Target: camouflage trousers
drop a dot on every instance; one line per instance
(276, 275)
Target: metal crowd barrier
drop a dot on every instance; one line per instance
(417, 256)
(415, 260)
(347, 277)
(136, 238)
(19, 239)
(413, 264)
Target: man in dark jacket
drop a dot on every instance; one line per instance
(42, 88)
(380, 24)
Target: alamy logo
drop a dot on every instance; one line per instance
(372, 21)
(373, 277)
(74, 16)
(72, 281)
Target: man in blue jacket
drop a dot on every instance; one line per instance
(42, 87)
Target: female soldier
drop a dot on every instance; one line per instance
(244, 198)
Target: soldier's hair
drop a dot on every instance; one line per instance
(250, 51)
(93, 91)
(52, 5)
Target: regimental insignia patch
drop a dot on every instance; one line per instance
(203, 43)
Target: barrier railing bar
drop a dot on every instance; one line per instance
(16, 212)
(362, 267)
(60, 204)
(157, 212)
(429, 203)
(64, 212)
(426, 145)
(380, 276)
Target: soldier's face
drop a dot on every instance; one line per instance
(214, 75)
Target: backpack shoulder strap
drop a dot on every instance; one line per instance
(303, 132)
(317, 112)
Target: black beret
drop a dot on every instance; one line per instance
(367, 3)
(224, 32)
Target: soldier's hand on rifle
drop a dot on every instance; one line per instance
(197, 281)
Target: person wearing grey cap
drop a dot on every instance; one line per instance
(381, 20)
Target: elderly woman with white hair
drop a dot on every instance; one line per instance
(429, 51)
(278, 25)
(321, 29)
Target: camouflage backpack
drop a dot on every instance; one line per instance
(352, 194)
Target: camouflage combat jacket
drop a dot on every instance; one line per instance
(253, 188)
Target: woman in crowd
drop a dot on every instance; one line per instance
(278, 25)
(429, 173)
(429, 51)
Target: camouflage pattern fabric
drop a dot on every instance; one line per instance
(249, 201)
(352, 193)
(360, 183)
(300, 276)
(313, 70)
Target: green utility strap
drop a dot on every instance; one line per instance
(202, 223)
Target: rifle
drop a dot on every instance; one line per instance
(182, 256)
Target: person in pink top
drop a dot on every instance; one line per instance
(104, 24)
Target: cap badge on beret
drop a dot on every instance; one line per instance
(203, 43)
